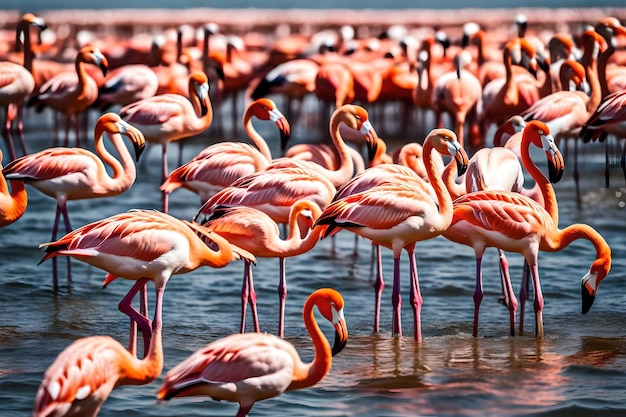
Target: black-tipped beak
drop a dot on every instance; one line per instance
(372, 147)
(219, 70)
(556, 166)
(104, 66)
(461, 161)
(587, 298)
(465, 41)
(341, 337)
(285, 132)
(139, 148)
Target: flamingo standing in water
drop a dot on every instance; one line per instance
(83, 376)
(127, 84)
(250, 367)
(17, 82)
(219, 165)
(76, 173)
(256, 232)
(516, 223)
(12, 204)
(145, 244)
(397, 215)
(70, 93)
(170, 117)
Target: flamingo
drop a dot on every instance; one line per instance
(17, 82)
(170, 117)
(85, 373)
(351, 116)
(127, 84)
(250, 367)
(76, 173)
(218, 165)
(254, 231)
(515, 223)
(398, 214)
(70, 93)
(13, 204)
(145, 244)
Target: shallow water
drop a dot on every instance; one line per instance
(579, 369)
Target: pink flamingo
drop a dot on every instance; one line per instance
(12, 204)
(515, 223)
(127, 84)
(219, 165)
(85, 373)
(250, 367)
(170, 117)
(76, 173)
(70, 93)
(17, 82)
(256, 232)
(398, 214)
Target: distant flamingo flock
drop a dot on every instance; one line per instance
(452, 176)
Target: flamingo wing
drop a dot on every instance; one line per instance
(153, 110)
(51, 163)
(554, 106)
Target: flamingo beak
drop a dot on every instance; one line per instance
(203, 95)
(556, 165)
(460, 156)
(532, 67)
(341, 332)
(371, 138)
(135, 136)
(588, 291)
(283, 126)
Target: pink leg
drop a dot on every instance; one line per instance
(478, 293)
(7, 135)
(523, 296)
(244, 294)
(379, 285)
(252, 299)
(396, 299)
(55, 229)
(415, 298)
(20, 127)
(164, 176)
(282, 297)
(136, 318)
(504, 277)
(244, 410)
(538, 302)
(68, 228)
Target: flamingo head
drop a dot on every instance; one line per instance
(330, 304)
(112, 123)
(92, 55)
(521, 53)
(574, 72)
(265, 109)
(199, 88)
(515, 124)
(30, 19)
(609, 27)
(594, 42)
(470, 29)
(590, 282)
(356, 117)
(539, 134)
(446, 143)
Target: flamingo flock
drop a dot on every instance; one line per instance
(253, 204)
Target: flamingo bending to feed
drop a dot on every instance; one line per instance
(12, 204)
(256, 232)
(83, 376)
(250, 367)
(219, 165)
(70, 93)
(170, 117)
(516, 223)
(17, 81)
(398, 214)
(127, 84)
(76, 173)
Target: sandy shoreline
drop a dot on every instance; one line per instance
(266, 20)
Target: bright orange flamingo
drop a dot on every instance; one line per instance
(127, 84)
(83, 376)
(170, 117)
(351, 116)
(70, 93)
(219, 165)
(259, 365)
(515, 223)
(145, 244)
(12, 204)
(17, 82)
(76, 173)
(256, 232)
(397, 215)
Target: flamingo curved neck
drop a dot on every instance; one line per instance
(313, 372)
(547, 191)
(28, 52)
(443, 196)
(124, 173)
(295, 243)
(18, 199)
(564, 237)
(346, 168)
(511, 96)
(256, 138)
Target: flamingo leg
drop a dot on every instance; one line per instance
(504, 277)
(379, 285)
(511, 301)
(67, 132)
(68, 228)
(282, 296)
(538, 302)
(55, 229)
(576, 173)
(244, 294)
(396, 298)
(137, 319)
(523, 296)
(164, 176)
(252, 299)
(20, 128)
(415, 298)
(6, 132)
(606, 162)
(478, 293)
(244, 409)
